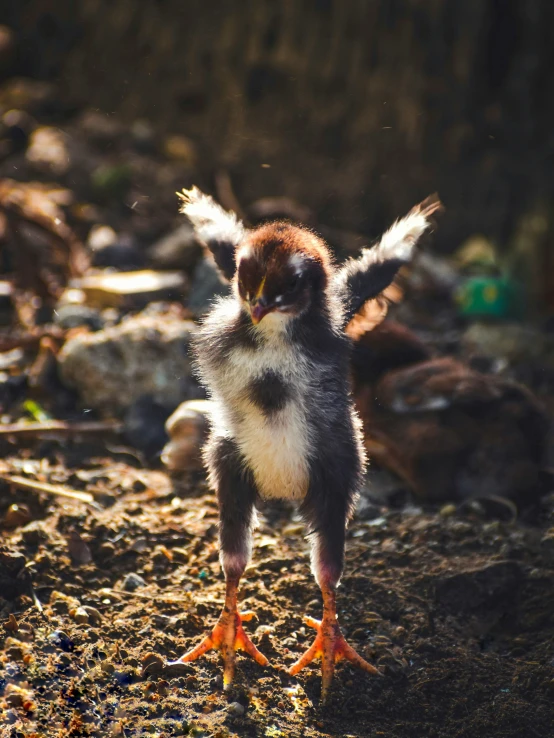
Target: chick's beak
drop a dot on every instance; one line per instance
(259, 309)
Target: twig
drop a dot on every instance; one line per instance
(36, 600)
(51, 489)
(60, 426)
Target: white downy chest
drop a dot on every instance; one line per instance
(275, 445)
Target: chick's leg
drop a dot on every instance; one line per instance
(228, 636)
(327, 564)
(236, 495)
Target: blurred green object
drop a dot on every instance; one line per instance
(490, 296)
(36, 411)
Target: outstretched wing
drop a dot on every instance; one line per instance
(220, 230)
(366, 277)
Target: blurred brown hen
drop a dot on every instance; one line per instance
(448, 431)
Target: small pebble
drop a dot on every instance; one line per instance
(14, 653)
(235, 708)
(163, 687)
(61, 639)
(34, 533)
(80, 615)
(94, 615)
(100, 237)
(132, 582)
(151, 663)
(16, 516)
(447, 511)
(73, 316)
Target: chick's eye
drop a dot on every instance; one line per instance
(294, 282)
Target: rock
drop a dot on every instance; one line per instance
(112, 250)
(62, 603)
(94, 615)
(152, 663)
(78, 549)
(163, 687)
(16, 516)
(187, 428)
(47, 151)
(100, 237)
(74, 316)
(80, 615)
(447, 511)
(60, 639)
(207, 284)
(144, 425)
(130, 289)
(124, 255)
(145, 354)
(12, 579)
(13, 652)
(11, 716)
(132, 582)
(177, 250)
(235, 708)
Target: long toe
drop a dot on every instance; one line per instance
(228, 636)
(331, 646)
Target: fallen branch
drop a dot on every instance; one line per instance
(36, 601)
(51, 489)
(58, 427)
(9, 342)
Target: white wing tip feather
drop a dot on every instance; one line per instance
(210, 220)
(400, 239)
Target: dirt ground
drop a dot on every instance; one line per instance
(456, 609)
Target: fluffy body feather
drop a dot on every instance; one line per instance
(281, 388)
(275, 360)
(259, 387)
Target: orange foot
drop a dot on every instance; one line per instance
(228, 636)
(331, 646)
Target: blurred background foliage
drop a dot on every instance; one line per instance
(355, 109)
